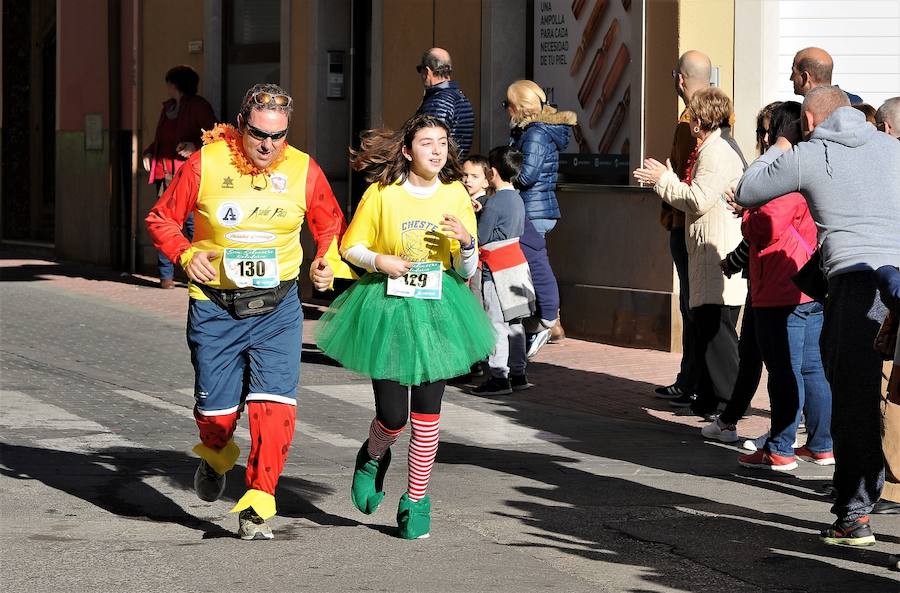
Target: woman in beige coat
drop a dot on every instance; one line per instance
(712, 231)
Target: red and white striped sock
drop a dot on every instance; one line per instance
(381, 438)
(423, 445)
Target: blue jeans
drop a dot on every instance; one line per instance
(167, 268)
(543, 225)
(789, 342)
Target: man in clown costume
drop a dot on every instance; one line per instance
(250, 193)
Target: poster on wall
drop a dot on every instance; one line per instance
(586, 60)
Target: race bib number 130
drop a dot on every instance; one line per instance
(252, 267)
(423, 281)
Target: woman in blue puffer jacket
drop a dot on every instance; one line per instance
(539, 132)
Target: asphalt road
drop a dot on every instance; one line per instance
(95, 491)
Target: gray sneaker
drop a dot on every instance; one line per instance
(251, 526)
(534, 342)
(208, 484)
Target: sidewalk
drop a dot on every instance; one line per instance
(595, 378)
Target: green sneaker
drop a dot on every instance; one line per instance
(367, 490)
(414, 518)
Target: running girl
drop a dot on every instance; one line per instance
(411, 322)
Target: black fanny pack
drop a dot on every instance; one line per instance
(248, 302)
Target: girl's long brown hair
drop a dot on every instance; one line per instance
(380, 157)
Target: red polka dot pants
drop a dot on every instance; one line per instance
(271, 433)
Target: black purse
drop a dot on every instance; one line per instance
(811, 279)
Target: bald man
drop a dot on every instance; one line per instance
(849, 174)
(692, 74)
(887, 118)
(812, 67)
(443, 98)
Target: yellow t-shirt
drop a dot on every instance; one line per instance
(393, 221)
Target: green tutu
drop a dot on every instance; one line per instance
(410, 341)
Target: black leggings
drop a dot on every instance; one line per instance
(392, 401)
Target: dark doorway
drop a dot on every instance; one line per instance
(360, 88)
(29, 119)
(47, 137)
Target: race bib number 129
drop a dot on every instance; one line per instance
(252, 267)
(423, 281)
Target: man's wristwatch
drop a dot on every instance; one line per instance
(470, 246)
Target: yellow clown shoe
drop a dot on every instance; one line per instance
(255, 507)
(209, 479)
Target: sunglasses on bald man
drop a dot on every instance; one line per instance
(262, 135)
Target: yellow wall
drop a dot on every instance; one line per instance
(458, 30)
(166, 27)
(708, 26)
(407, 33)
(660, 98)
(413, 26)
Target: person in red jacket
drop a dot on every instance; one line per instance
(183, 118)
(782, 237)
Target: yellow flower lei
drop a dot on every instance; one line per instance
(232, 137)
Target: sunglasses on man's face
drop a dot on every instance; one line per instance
(263, 98)
(262, 135)
(421, 68)
(504, 104)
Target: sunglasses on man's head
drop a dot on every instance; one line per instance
(263, 98)
(262, 135)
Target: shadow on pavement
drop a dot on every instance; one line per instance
(112, 480)
(646, 440)
(618, 521)
(756, 546)
(36, 272)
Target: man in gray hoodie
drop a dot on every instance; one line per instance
(849, 174)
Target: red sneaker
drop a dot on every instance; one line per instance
(762, 459)
(821, 458)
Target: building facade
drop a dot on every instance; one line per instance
(83, 85)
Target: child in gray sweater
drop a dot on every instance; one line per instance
(502, 218)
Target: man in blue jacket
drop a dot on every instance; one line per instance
(443, 98)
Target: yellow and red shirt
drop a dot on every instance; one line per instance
(247, 212)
